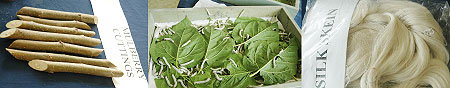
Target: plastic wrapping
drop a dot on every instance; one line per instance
(438, 8)
(441, 13)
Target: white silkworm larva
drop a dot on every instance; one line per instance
(232, 61)
(174, 80)
(188, 72)
(240, 33)
(225, 38)
(182, 83)
(217, 76)
(204, 81)
(195, 73)
(184, 68)
(171, 31)
(282, 33)
(187, 63)
(238, 48)
(248, 36)
(202, 32)
(235, 51)
(201, 66)
(169, 39)
(186, 43)
(215, 69)
(178, 70)
(160, 70)
(161, 34)
(160, 62)
(167, 81)
(165, 60)
(164, 31)
(154, 71)
(281, 51)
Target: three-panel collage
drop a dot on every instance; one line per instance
(224, 44)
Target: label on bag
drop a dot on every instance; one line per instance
(324, 43)
(118, 44)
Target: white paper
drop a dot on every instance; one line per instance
(118, 43)
(324, 43)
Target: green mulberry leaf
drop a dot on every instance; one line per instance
(284, 68)
(218, 48)
(188, 45)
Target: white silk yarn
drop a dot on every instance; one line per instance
(395, 44)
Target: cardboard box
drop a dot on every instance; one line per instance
(175, 15)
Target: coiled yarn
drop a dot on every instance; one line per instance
(395, 44)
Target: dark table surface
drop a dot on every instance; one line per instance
(17, 74)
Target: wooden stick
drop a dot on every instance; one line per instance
(55, 47)
(53, 14)
(28, 56)
(75, 24)
(51, 67)
(48, 36)
(47, 28)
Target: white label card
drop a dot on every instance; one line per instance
(324, 43)
(118, 43)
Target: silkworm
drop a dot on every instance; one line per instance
(232, 61)
(201, 66)
(281, 51)
(186, 43)
(165, 60)
(160, 62)
(171, 31)
(182, 83)
(170, 39)
(235, 51)
(225, 38)
(167, 81)
(240, 32)
(174, 80)
(217, 76)
(188, 72)
(187, 63)
(230, 28)
(204, 81)
(282, 33)
(160, 70)
(154, 71)
(178, 70)
(215, 69)
(248, 36)
(164, 31)
(195, 73)
(184, 69)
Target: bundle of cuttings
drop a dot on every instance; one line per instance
(57, 41)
